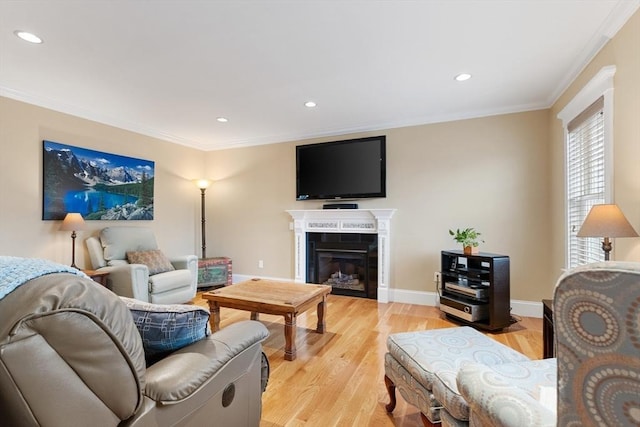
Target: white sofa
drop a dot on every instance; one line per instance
(108, 253)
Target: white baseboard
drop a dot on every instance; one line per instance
(518, 307)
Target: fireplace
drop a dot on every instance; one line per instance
(346, 262)
(344, 222)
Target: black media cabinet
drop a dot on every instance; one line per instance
(474, 289)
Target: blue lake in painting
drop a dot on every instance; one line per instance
(88, 201)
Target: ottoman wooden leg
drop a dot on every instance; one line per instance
(391, 389)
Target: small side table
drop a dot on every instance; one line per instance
(215, 272)
(97, 276)
(547, 329)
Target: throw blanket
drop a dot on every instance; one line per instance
(15, 271)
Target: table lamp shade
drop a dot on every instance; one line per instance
(606, 221)
(72, 222)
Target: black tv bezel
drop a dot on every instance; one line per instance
(382, 139)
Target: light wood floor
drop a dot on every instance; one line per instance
(337, 378)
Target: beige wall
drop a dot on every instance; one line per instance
(22, 231)
(489, 173)
(623, 51)
(502, 175)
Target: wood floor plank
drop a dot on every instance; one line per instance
(337, 377)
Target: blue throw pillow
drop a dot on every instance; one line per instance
(167, 327)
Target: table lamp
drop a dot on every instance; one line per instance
(606, 221)
(73, 222)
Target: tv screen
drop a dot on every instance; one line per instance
(350, 169)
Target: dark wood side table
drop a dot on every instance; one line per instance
(547, 329)
(96, 276)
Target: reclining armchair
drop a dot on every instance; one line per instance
(138, 269)
(70, 354)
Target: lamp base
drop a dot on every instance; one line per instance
(606, 247)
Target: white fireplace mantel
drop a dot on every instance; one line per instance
(373, 221)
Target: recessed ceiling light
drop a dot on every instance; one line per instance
(222, 119)
(462, 77)
(310, 104)
(28, 37)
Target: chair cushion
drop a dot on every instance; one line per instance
(155, 259)
(168, 281)
(510, 393)
(167, 327)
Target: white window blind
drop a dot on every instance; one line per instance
(585, 180)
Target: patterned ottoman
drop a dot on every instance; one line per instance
(423, 366)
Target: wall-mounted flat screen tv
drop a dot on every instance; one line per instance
(349, 169)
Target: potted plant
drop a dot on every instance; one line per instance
(469, 238)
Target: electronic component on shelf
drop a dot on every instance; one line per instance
(464, 310)
(472, 290)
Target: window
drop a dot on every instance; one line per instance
(585, 177)
(588, 148)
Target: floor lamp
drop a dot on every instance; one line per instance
(606, 221)
(73, 222)
(203, 184)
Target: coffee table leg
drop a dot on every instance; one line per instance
(255, 315)
(322, 307)
(214, 319)
(289, 336)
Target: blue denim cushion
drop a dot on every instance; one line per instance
(167, 327)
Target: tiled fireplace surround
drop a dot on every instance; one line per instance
(347, 221)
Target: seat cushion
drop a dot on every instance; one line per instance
(167, 327)
(169, 281)
(510, 393)
(154, 259)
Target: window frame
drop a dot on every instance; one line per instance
(601, 85)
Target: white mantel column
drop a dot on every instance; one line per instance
(365, 221)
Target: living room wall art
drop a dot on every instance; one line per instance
(98, 185)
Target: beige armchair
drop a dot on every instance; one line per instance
(70, 354)
(109, 253)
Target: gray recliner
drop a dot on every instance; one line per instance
(70, 354)
(108, 253)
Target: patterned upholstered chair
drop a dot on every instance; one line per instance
(597, 331)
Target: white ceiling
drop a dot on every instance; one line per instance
(169, 68)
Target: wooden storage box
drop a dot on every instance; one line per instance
(215, 271)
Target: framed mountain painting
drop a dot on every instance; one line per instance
(98, 185)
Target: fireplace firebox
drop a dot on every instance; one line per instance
(346, 262)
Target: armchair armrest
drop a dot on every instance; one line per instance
(508, 394)
(129, 280)
(185, 371)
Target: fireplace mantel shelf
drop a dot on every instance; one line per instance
(374, 221)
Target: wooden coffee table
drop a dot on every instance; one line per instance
(271, 297)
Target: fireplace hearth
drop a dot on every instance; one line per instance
(346, 262)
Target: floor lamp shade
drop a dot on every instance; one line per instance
(606, 221)
(73, 222)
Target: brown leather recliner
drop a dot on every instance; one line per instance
(70, 354)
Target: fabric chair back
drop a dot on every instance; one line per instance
(597, 330)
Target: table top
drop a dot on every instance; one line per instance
(286, 295)
(94, 273)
